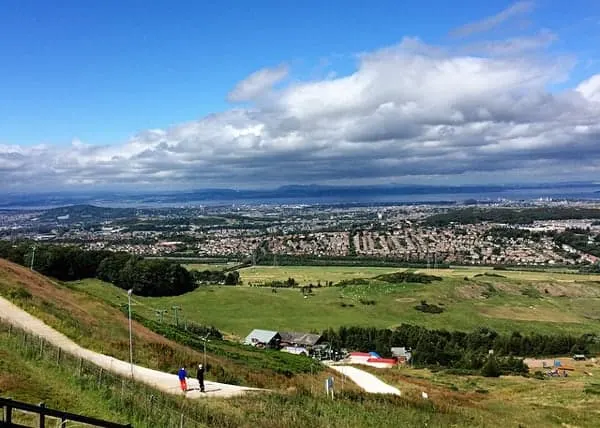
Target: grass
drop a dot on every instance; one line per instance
(103, 327)
(511, 303)
(26, 379)
(308, 274)
(522, 401)
(468, 401)
(30, 375)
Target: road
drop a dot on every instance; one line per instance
(165, 382)
(366, 381)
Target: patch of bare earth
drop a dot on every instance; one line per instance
(532, 313)
(406, 300)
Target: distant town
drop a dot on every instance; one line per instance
(533, 233)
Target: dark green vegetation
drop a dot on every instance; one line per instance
(429, 308)
(510, 216)
(407, 276)
(581, 240)
(147, 277)
(212, 276)
(460, 350)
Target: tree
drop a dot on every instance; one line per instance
(490, 368)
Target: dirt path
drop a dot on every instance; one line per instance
(366, 381)
(160, 380)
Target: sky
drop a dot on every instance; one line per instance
(178, 95)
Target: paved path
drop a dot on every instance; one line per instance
(366, 381)
(166, 382)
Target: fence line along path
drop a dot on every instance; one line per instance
(162, 381)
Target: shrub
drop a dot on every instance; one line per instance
(429, 308)
(490, 368)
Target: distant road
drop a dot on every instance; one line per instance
(165, 382)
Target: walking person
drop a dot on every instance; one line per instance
(200, 376)
(182, 374)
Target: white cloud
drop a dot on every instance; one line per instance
(408, 112)
(590, 89)
(258, 83)
(518, 8)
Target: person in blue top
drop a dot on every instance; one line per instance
(182, 379)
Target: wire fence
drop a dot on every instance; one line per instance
(139, 404)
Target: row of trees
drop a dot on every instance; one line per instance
(458, 349)
(68, 263)
(510, 216)
(208, 276)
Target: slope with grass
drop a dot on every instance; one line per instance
(103, 328)
(531, 402)
(506, 301)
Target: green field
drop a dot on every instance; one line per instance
(517, 301)
(524, 401)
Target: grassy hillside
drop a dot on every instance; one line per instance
(31, 375)
(102, 327)
(538, 302)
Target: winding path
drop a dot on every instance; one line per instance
(165, 382)
(366, 381)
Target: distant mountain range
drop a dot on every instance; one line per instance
(293, 193)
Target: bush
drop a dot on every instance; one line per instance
(429, 308)
(490, 368)
(401, 277)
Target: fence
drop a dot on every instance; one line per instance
(141, 405)
(43, 412)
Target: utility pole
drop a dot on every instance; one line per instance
(176, 309)
(32, 257)
(160, 313)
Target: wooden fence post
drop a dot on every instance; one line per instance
(8, 414)
(58, 357)
(42, 415)
(80, 365)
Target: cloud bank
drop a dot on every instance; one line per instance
(408, 112)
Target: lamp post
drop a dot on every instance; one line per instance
(130, 336)
(205, 339)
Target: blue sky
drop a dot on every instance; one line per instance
(104, 71)
(101, 71)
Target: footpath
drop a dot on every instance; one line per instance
(162, 381)
(366, 381)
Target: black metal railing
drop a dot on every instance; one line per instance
(10, 405)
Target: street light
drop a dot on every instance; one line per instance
(205, 339)
(130, 337)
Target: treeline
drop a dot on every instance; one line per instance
(68, 263)
(580, 240)
(456, 349)
(514, 233)
(309, 260)
(208, 276)
(510, 216)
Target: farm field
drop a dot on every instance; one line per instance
(506, 301)
(307, 274)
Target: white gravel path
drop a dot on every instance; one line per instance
(366, 381)
(166, 382)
